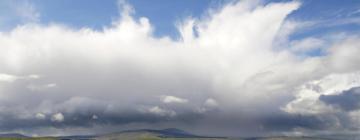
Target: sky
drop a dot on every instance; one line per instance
(211, 67)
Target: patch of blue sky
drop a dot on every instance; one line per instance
(325, 30)
(16, 12)
(163, 14)
(93, 14)
(329, 16)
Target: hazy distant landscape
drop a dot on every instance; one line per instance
(169, 134)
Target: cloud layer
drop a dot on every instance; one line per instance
(234, 70)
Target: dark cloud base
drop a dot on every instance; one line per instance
(348, 100)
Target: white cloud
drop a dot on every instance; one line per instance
(161, 112)
(7, 77)
(58, 117)
(172, 99)
(211, 102)
(27, 11)
(14, 13)
(34, 76)
(307, 44)
(41, 87)
(11, 78)
(307, 96)
(40, 116)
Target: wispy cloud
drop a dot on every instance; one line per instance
(18, 12)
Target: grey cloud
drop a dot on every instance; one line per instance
(348, 100)
(80, 118)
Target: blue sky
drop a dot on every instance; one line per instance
(89, 13)
(163, 14)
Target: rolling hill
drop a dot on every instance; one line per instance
(151, 134)
(166, 134)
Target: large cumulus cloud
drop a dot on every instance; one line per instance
(226, 73)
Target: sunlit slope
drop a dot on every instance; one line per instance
(147, 134)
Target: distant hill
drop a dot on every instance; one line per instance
(286, 138)
(13, 135)
(151, 134)
(168, 134)
(77, 137)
